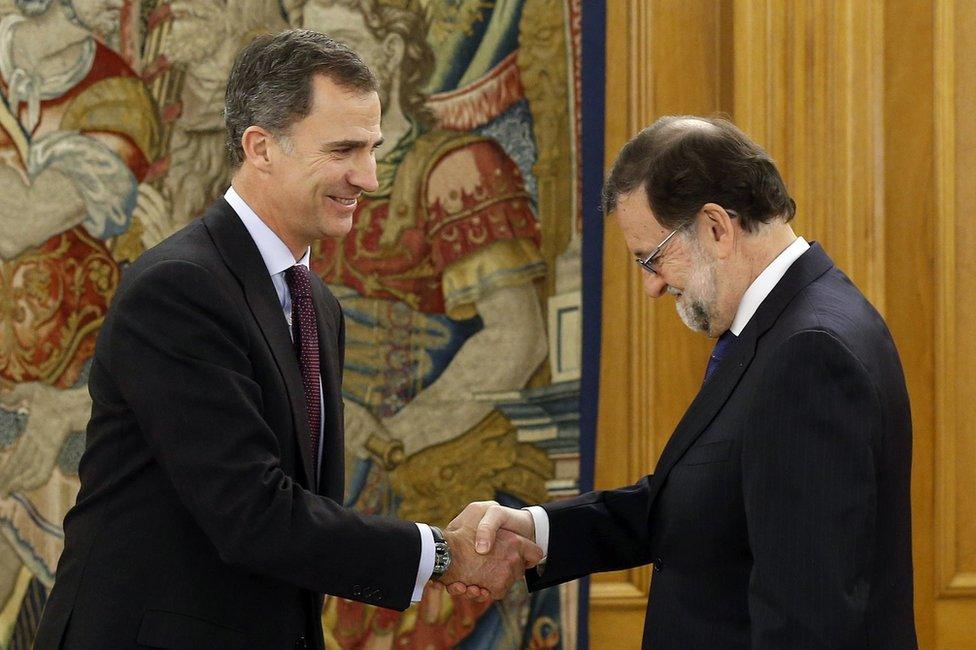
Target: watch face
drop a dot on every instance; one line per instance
(442, 557)
(442, 564)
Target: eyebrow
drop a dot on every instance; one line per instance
(349, 144)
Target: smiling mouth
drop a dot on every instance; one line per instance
(348, 202)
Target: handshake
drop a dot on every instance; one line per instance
(491, 547)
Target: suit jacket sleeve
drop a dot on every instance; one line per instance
(810, 495)
(179, 356)
(598, 531)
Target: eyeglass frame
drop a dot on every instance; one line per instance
(649, 260)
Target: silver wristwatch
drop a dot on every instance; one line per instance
(442, 554)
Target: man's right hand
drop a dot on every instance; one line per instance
(498, 532)
(488, 559)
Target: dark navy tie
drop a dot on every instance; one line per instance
(718, 352)
(306, 338)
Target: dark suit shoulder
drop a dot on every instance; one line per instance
(834, 306)
(192, 243)
(832, 303)
(189, 253)
(172, 286)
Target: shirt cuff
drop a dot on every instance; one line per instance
(426, 568)
(541, 518)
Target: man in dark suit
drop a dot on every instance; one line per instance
(778, 515)
(210, 510)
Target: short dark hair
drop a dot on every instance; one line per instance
(684, 162)
(270, 84)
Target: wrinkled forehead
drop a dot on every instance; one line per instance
(341, 113)
(640, 228)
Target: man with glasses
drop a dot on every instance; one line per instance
(778, 515)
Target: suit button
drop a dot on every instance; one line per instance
(357, 590)
(658, 565)
(301, 644)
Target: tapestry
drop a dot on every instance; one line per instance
(460, 281)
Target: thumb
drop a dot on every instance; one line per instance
(493, 519)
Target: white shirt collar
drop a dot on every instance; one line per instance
(763, 285)
(273, 251)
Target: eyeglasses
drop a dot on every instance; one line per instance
(648, 262)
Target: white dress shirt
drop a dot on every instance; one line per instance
(279, 259)
(751, 299)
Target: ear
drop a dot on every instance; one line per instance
(720, 231)
(257, 144)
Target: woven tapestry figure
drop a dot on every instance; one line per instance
(111, 139)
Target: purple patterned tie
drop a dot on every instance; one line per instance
(718, 352)
(305, 335)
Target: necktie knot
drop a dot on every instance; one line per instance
(299, 284)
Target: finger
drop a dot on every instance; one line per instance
(495, 517)
(457, 588)
(471, 514)
(531, 554)
(470, 592)
(528, 553)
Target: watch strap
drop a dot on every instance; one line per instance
(442, 553)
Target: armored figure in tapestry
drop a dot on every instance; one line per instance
(78, 132)
(104, 152)
(111, 138)
(440, 281)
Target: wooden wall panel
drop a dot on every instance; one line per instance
(869, 107)
(663, 56)
(808, 86)
(956, 311)
(910, 235)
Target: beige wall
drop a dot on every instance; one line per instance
(869, 107)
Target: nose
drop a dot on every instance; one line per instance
(654, 286)
(363, 173)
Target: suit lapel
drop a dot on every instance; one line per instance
(716, 392)
(243, 259)
(331, 472)
(706, 405)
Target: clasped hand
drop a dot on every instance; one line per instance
(491, 547)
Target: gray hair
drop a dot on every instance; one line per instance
(683, 162)
(270, 84)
